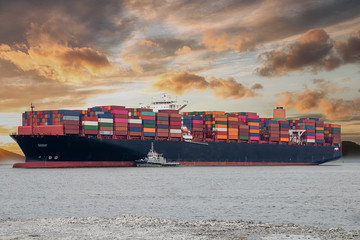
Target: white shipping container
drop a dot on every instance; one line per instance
(71, 118)
(106, 120)
(90, 123)
(310, 140)
(175, 131)
(220, 129)
(106, 132)
(135, 121)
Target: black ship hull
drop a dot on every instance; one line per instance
(79, 151)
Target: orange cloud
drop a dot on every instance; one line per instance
(5, 131)
(134, 64)
(350, 49)
(181, 82)
(314, 50)
(55, 59)
(220, 42)
(183, 50)
(317, 99)
(12, 147)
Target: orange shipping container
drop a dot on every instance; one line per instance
(233, 119)
(253, 124)
(220, 136)
(120, 128)
(284, 139)
(149, 130)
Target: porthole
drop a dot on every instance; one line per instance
(56, 157)
(50, 157)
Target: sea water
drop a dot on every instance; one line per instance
(327, 195)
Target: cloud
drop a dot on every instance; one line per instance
(318, 99)
(183, 50)
(55, 59)
(101, 25)
(12, 147)
(5, 131)
(134, 64)
(18, 92)
(220, 42)
(350, 50)
(180, 82)
(314, 51)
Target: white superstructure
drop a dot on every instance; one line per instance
(165, 103)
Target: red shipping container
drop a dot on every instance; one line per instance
(116, 124)
(122, 133)
(24, 130)
(135, 133)
(175, 119)
(116, 107)
(162, 130)
(106, 128)
(92, 132)
(175, 115)
(85, 118)
(137, 125)
(220, 133)
(175, 127)
(145, 110)
(148, 117)
(123, 116)
(162, 114)
(175, 135)
(171, 111)
(120, 128)
(162, 122)
(163, 134)
(71, 127)
(173, 123)
(196, 125)
(71, 131)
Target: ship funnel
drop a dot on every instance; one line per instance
(279, 112)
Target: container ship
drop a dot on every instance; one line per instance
(116, 136)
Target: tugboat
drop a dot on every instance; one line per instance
(154, 159)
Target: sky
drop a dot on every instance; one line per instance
(235, 55)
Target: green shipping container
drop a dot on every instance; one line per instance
(221, 122)
(336, 129)
(244, 137)
(90, 127)
(147, 114)
(319, 131)
(149, 125)
(106, 124)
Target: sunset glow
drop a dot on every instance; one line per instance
(219, 55)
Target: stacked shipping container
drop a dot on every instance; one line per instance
(119, 122)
